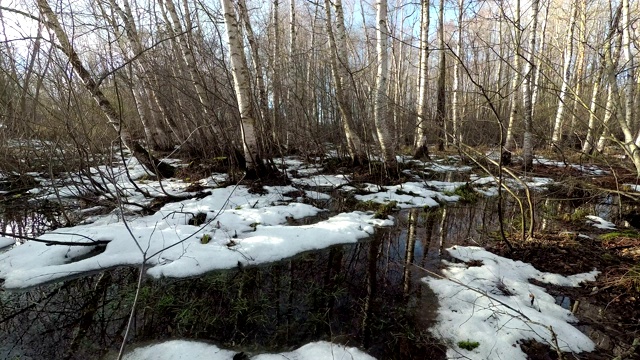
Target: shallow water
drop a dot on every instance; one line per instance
(367, 294)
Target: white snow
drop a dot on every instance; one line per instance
(631, 187)
(322, 181)
(407, 195)
(600, 223)
(242, 227)
(587, 169)
(111, 178)
(4, 242)
(531, 182)
(447, 168)
(500, 312)
(191, 350)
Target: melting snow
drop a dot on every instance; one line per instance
(505, 308)
(600, 223)
(191, 350)
(241, 228)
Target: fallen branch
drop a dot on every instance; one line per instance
(54, 242)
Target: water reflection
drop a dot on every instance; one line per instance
(367, 294)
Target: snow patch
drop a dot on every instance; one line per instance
(504, 309)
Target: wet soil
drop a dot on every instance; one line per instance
(367, 295)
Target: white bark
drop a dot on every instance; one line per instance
(509, 143)
(257, 64)
(110, 112)
(340, 73)
(423, 81)
(542, 36)
(527, 142)
(381, 102)
(566, 78)
(455, 106)
(242, 88)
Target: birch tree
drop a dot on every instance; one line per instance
(527, 141)
(255, 166)
(441, 100)
(421, 149)
(341, 78)
(510, 143)
(456, 93)
(566, 78)
(381, 102)
(108, 109)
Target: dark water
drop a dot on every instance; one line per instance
(367, 295)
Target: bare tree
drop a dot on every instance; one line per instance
(253, 156)
(341, 77)
(113, 117)
(527, 142)
(381, 102)
(423, 83)
(566, 78)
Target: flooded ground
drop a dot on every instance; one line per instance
(367, 294)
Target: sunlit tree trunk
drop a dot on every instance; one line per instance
(423, 83)
(566, 78)
(510, 143)
(588, 145)
(580, 60)
(542, 36)
(113, 117)
(381, 102)
(527, 141)
(441, 101)
(242, 86)
(263, 104)
(189, 59)
(611, 58)
(143, 92)
(339, 69)
(631, 136)
(277, 122)
(456, 93)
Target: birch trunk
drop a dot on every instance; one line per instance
(631, 136)
(441, 100)
(263, 104)
(276, 91)
(254, 163)
(113, 117)
(422, 151)
(189, 60)
(381, 102)
(145, 95)
(542, 35)
(580, 60)
(456, 93)
(510, 143)
(527, 141)
(340, 73)
(612, 58)
(556, 136)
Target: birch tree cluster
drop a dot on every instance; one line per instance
(251, 80)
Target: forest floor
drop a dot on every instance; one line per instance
(608, 309)
(260, 222)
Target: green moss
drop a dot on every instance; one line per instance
(205, 239)
(385, 210)
(402, 192)
(620, 234)
(466, 193)
(381, 210)
(468, 345)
